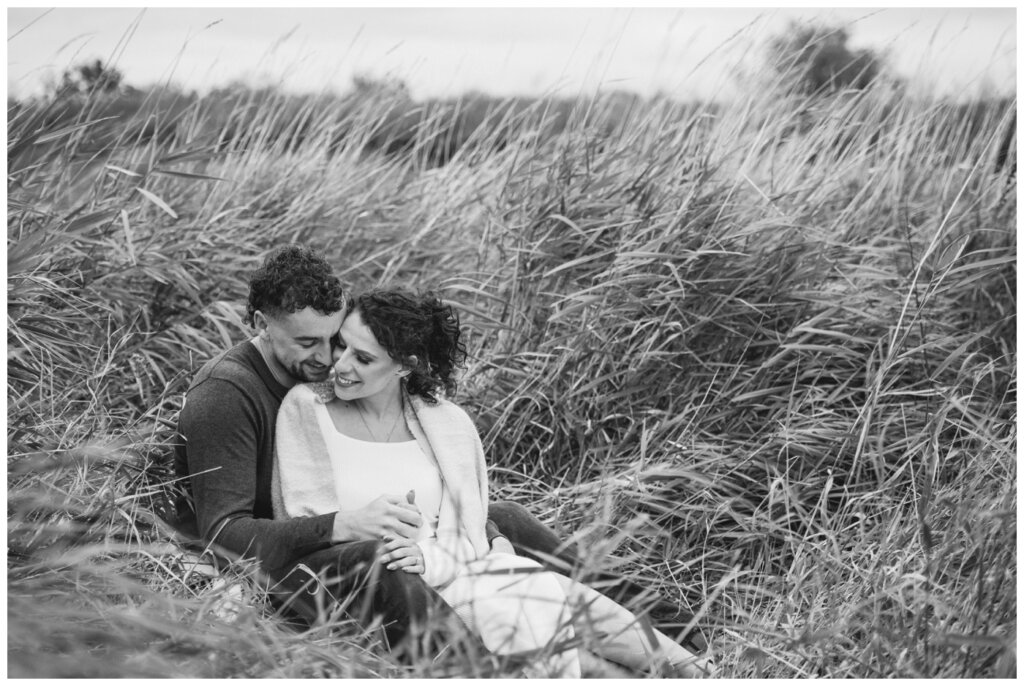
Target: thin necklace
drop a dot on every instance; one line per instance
(387, 439)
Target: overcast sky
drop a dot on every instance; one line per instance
(686, 52)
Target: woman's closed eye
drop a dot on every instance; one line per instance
(361, 359)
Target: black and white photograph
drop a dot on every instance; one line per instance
(511, 342)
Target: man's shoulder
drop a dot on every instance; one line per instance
(237, 369)
(228, 389)
(235, 363)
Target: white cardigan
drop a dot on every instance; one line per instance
(443, 431)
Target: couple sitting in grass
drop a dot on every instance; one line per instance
(323, 447)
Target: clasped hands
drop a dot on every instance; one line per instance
(393, 519)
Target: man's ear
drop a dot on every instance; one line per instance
(259, 321)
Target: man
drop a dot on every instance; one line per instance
(225, 457)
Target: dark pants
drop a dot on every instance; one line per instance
(349, 575)
(349, 578)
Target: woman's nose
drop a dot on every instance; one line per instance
(340, 360)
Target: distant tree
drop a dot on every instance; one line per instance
(91, 77)
(816, 59)
(390, 88)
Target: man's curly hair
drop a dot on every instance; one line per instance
(408, 325)
(293, 278)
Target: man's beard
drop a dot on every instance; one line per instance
(301, 372)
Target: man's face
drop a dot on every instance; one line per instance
(300, 342)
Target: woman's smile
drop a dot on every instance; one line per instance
(343, 382)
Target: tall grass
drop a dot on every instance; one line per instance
(760, 358)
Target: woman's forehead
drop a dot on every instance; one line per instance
(358, 335)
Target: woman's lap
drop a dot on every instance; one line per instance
(515, 606)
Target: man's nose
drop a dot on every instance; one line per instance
(322, 354)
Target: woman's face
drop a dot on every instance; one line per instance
(362, 367)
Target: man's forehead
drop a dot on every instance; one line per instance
(309, 323)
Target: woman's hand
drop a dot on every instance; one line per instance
(404, 554)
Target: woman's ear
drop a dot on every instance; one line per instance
(410, 362)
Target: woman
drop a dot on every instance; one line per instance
(376, 434)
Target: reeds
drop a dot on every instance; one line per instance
(764, 352)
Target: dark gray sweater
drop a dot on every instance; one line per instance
(227, 448)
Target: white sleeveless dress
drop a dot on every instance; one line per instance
(507, 600)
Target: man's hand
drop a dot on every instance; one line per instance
(404, 554)
(500, 544)
(388, 515)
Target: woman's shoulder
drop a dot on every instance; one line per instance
(450, 411)
(310, 392)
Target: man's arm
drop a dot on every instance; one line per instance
(222, 429)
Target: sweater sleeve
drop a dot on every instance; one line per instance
(303, 484)
(466, 496)
(222, 428)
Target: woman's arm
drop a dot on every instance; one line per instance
(447, 432)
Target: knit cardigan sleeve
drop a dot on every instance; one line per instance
(302, 485)
(447, 434)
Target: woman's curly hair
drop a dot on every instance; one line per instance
(293, 278)
(420, 326)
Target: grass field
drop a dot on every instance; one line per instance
(760, 358)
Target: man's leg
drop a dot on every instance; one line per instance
(532, 538)
(350, 576)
